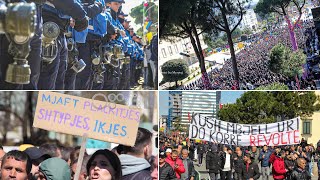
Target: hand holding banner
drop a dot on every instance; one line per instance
(77, 116)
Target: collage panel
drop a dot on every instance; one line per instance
(78, 44)
(82, 135)
(238, 135)
(239, 45)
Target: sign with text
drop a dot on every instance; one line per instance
(221, 132)
(78, 116)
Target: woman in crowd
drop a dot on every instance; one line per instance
(104, 165)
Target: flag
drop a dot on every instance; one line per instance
(220, 106)
(189, 118)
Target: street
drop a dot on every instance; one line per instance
(205, 175)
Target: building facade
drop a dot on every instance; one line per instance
(249, 20)
(182, 104)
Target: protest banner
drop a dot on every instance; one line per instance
(78, 116)
(221, 132)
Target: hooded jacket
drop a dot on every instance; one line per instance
(55, 169)
(134, 168)
(181, 169)
(213, 162)
(279, 168)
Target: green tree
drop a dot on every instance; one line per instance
(255, 107)
(273, 86)
(286, 62)
(226, 16)
(279, 6)
(175, 70)
(137, 13)
(186, 19)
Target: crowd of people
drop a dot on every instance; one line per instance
(178, 155)
(68, 45)
(253, 61)
(56, 162)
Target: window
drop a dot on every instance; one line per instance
(306, 127)
(176, 48)
(164, 54)
(170, 50)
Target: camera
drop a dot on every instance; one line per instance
(18, 23)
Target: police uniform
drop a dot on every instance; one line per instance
(113, 74)
(59, 11)
(96, 30)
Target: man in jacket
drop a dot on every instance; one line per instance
(176, 163)
(265, 165)
(189, 174)
(165, 170)
(226, 164)
(213, 162)
(238, 163)
(134, 161)
(200, 150)
(278, 168)
(250, 169)
(300, 172)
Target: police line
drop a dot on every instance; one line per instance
(221, 132)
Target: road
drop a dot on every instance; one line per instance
(205, 176)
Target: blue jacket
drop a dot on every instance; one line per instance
(265, 160)
(70, 7)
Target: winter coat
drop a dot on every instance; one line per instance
(55, 169)
(250, 171)
(181, 169)
(201, 149)
(299, 174)
(213, 162)
(134, 168)
(223, 160)
(238, 163)
(278, 169)
(190, 166)
(166, 172)
(265, 160)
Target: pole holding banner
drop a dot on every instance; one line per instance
(81, 155)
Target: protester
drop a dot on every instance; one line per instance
(265, 165)
(2, 153)
(134, 160)
(166, 172)
(300, 173)
(16, 165)
(200, 151)
(226, 164)
(250, 169)
(189, 174)
(213, 162)
(176, 163)
(238, 163)
(37, 157)
(278, 167)
(54, 169)
(104, 164)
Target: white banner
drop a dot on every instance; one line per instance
(221, 132)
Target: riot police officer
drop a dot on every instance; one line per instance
(56, 15)
(76, 40)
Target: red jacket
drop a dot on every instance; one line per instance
(279, 169)
(178, 162)
(272, 158)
